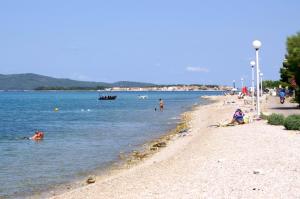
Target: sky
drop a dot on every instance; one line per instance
(157, 41)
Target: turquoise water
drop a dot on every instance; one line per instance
(84, 135)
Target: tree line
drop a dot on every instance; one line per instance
(60, 88)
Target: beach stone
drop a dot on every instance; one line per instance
(91, 179)
(160, 144)
(183, 131)
(256, 172)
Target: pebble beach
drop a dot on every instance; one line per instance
(254, 160)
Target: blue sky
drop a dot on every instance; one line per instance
(159, 41)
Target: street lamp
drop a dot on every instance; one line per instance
(261, 79)
(257, 44)
(242, 81)
(252, 63)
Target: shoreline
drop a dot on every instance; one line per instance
(126, 160)
(254, 160)
(141, 157)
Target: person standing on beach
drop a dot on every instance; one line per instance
(161, 105)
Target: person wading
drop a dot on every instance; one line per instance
(161, 105)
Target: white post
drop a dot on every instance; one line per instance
(261, 87)
(257, 44)
(242, 81)
(257, 84)
(252, 63)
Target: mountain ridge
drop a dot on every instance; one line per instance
(32, 81)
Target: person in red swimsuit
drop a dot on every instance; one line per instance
(39, 135)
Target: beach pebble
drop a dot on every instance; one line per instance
(257, 171)
(160, 144)
(256, 189)
(91, 179)
(153, 148)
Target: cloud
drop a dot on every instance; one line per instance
(197, 69)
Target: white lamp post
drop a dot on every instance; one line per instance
(261, 79)
(242, 81)
(257, 44)
(252, 63)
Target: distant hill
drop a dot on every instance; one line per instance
(30, 81)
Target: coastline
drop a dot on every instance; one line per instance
(137, 158)
(254, 160)
(126, 160)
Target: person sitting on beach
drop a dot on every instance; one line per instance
(39, 135)
(241, 95)
(238, 117)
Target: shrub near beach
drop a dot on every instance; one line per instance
(292, 122)
(275, 119)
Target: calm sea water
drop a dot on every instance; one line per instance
(84, 135)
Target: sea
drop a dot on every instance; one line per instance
(82, 134)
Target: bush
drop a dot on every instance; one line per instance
(292, 122)
(276, 119)
(263, 116)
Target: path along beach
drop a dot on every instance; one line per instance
(254, 160)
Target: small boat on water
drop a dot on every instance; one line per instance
(107, 97)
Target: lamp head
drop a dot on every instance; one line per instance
(252, 63)
(256, 44)
(261, 74)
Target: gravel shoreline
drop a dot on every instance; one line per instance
(254, 160)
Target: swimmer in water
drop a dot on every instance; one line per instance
(39, 135)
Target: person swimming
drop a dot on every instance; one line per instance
(39, 135)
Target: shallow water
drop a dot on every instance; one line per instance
(82, 136)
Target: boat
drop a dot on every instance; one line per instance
(107, 97)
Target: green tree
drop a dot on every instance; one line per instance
(273, 84)
(290, 71)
